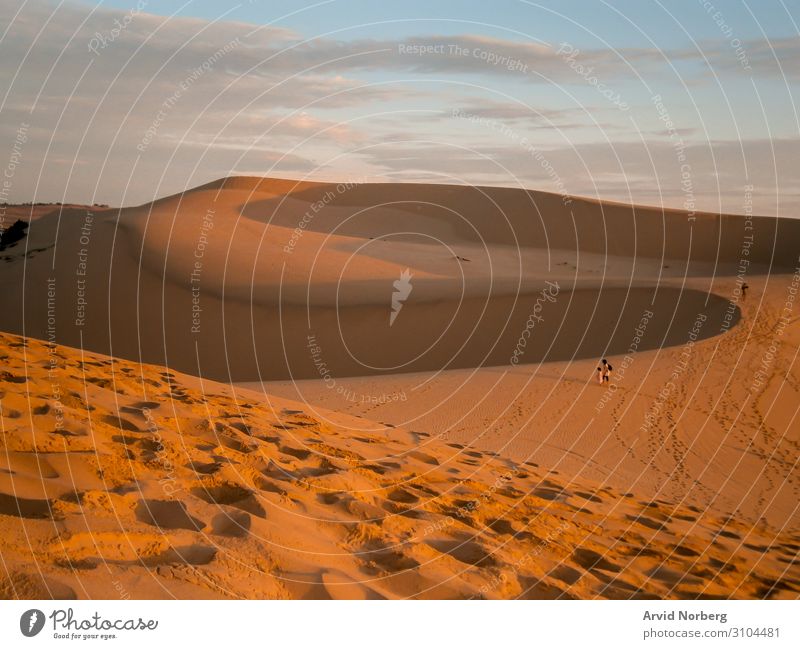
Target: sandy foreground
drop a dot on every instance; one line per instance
(342, 445)
(127, 480)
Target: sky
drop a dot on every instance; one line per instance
(687, 104)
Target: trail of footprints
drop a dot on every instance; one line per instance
(725, 410)
(209, 496)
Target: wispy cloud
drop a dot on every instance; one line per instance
(160, 104)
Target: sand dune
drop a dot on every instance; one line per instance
(128, 480)
(431, 426)
(230, 280)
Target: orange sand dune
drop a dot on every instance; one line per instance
(436, 430)
(238, 279)
(127, 480)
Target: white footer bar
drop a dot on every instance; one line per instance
(402, 624)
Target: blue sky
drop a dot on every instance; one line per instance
(332, 89)
(580, 21)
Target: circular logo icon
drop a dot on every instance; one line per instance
(31, 622)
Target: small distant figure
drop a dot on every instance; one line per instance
(606, 370)
(600, 375)
(744, 290)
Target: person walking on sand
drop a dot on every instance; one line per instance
(600, 375)
(606, 370)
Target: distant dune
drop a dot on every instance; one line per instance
(241, 279)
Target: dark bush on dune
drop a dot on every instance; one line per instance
(13, 234)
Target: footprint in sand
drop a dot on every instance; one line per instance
(647, 522)
(587, 496)
(533, 588)
(567, 574)
(466, 551)
(391, 561)
(204, 468)
(424, 457)
(501, 526)
(193, 555)
(270, 487)
(233, 495)
(241, 427)
(233, 524)
(24, 507)
(299, 453)
(167, 514)
(589, 559)
(122, 424)
(402, 496)
(328, 498)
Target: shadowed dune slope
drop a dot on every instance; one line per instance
(238, 279)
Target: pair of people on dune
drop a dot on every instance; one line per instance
(604, 371)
